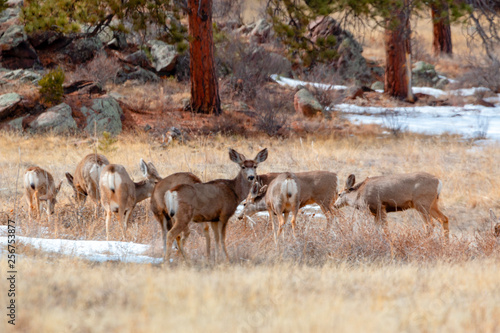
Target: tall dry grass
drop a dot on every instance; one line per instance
(58, 294)
(348, 276)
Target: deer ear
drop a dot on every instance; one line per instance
(58, 188)
(70, 179)
(235, 156)
(261, 156)
(351, 180)
(255, 189)
(263, 190)
(152, 171)
(144, 168)
(492, 215)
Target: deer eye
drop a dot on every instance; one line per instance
(243, 167)
(255, 167)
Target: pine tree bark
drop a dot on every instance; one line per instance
(398, 55)
(204, 86)
(441, 42)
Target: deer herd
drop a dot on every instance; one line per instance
(182, 198)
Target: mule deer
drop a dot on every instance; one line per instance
(281, 197)
(214, 201)
(85, 183)
(39, 186)
(318, 187)
(159, 208)
(393, 193)
(496, 221)
(119, 194)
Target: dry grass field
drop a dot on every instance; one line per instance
(349, 276)
(345, 277)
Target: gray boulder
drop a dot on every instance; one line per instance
(12, 37)
(83, 49)
(11, 13)
(16, 124)
(425, 75)
(104, 116)
(119, 41)
(164, 56)
(57, 119)
(350, 62)
(8, 104)
(306, 104)
(142, 75)
(138, 58)
(22, 75)
(262, 32)
(377, 85)
(137, 74)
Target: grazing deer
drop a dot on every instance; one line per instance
(214, 201)
(161, 214)
(318, 187)
(39, 186)
(494, 219)
(394, 193)
(119, 194)
(281, 197)
(85, 183)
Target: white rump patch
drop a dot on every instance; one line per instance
(440, 186)
(30, 179)
(171, 202)
(113, 180)
(95, 172)
(289, 188)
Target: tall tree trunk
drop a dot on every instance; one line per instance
(441, 42)
(397, 55)
(204, 87)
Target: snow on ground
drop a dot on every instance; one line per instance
(91, 250)
(470, 121)
(101, 251)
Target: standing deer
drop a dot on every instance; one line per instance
(39, 186)
(119, 194)
(281, 197)
(394, 193)
(214, 201)
(496, 221)
(161, 214)
(86, 181)
(318, 187)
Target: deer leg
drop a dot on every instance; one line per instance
(328, 214)
(38, 206)
(207, 239)
(126, 217)
(29, 199)
(284, 218)
(294, 219)
(171, 236)
(181, 243)
(215, 229)
(424, 213)
(164, 236)
(222, 228)
(438, 215)
(108, 218)
(271, 219)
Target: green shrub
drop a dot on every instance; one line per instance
(106, 143)
(51, 86)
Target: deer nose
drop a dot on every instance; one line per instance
(251, 177)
